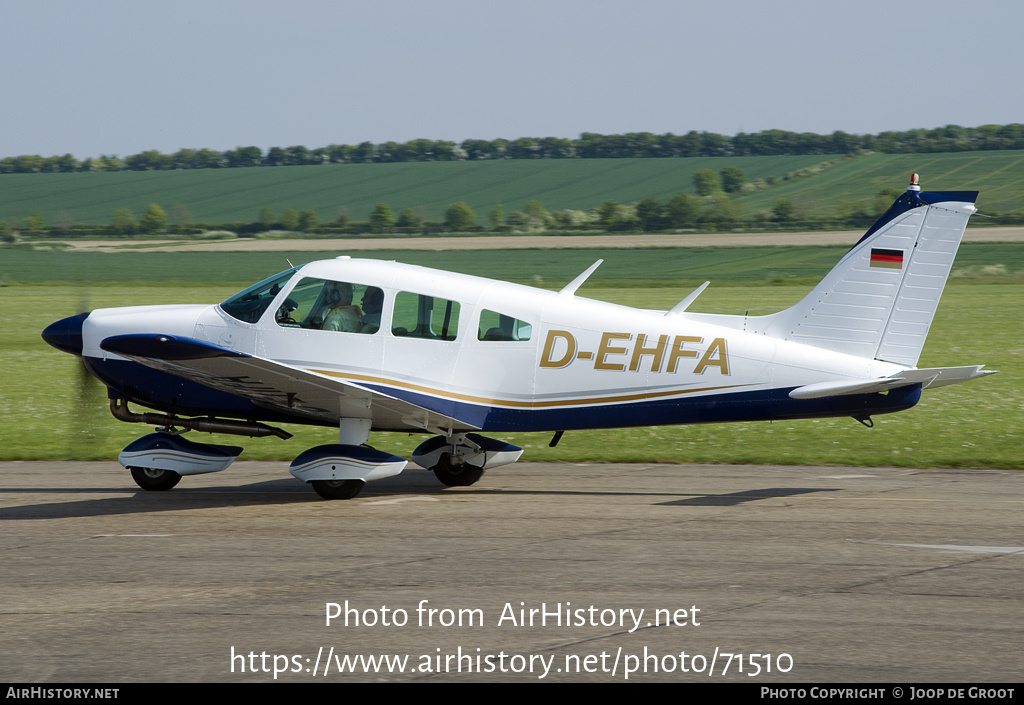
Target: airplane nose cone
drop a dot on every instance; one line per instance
(66, 334)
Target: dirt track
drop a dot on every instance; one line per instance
(516, 242)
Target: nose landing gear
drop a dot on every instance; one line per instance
(158, 461)
(155, 480)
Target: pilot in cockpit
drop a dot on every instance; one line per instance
(342, 315)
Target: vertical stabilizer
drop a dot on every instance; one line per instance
(879, 301)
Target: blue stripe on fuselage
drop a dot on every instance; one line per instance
(765, 405)
(168, 392)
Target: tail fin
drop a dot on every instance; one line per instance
(878, 302)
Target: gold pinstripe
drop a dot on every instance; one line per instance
(521, 404)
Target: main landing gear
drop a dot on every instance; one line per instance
(159, 460)
(454, 471)
(337, 489)
(339, 470)
(459, 460)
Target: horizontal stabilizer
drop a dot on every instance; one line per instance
(927, 378)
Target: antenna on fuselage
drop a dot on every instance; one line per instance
(570, 288)
(685, 303)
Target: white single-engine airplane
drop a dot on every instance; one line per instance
(454, 355)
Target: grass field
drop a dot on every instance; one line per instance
(44, 413)
(648, 267)
(236, 195)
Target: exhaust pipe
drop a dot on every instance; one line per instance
(253, 429)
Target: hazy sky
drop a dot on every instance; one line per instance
(123, 76)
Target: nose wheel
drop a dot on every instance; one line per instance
(155, 480)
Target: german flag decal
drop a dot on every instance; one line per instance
(887, 259)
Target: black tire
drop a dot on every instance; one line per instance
(155, 480)
(456, 476)
(337, 489)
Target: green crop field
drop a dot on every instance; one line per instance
(236, 195)
(999, 176)
(229, 195)
(46, 412)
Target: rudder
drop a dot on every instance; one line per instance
(879, 301)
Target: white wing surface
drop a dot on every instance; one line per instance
(279, 387)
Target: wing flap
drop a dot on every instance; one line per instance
(277, 386)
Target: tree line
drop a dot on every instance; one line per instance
(589, 145)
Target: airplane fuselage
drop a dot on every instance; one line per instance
(368, 345)
(550, 361)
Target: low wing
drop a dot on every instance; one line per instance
(276, 386)
(927, 378)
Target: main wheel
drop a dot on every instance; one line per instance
(462, 475)
(155, 480)
(337, 489)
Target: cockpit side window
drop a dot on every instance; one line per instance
(422, 316)
(325, 304)
(249, 305)
(498, 326)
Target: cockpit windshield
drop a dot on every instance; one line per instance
(249, 305)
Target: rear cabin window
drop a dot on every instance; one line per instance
(422, 316)
(498, 326)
